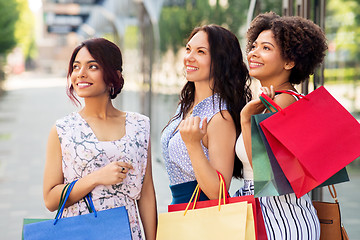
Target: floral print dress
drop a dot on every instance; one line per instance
(83, 153)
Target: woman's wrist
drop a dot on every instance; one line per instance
(193, 146)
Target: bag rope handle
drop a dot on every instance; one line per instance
(223, 194)
(67, 189)
(292, 93)
(62, 199)
(267, 101)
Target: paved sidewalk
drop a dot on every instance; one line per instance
(27, 112)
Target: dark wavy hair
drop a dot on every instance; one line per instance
(109, 57)
(300, 40)
(230, 75)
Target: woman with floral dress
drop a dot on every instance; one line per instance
(105, 149)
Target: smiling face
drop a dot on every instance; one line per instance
(197, 59)
(265, 61)
(87, 76)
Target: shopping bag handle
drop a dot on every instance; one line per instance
(267, 101)
(67, 189)
(223, 194)
(292, 93)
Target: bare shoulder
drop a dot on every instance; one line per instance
(221, 119)
(284, 100)
(53, 136)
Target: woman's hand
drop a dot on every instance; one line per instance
(190, 130)
(252, 108)
(113, 173)
(256, 106)
(270, 92)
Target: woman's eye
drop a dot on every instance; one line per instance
(266, 48)
(93, 67)
(201, 51)
(76, 67)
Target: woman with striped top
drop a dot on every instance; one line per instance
(282, 52)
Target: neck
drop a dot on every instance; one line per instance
(202, 91)
(98, 107)
(279, 82)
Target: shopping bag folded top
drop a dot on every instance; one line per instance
(312, 139)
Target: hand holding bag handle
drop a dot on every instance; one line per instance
(270, 102)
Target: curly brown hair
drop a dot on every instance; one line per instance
(300, 40)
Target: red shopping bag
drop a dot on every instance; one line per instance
(312, 139)
(260, 230)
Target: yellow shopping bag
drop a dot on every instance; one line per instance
(225, 221)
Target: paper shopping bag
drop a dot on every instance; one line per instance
(259, 226)
(312, 139)
(269, 179)
(255, 221)
(205, 223)
(107, 224)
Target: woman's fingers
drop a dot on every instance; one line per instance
(270, 92)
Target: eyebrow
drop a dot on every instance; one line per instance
(198, 47)
(91, 61)
(262, 43)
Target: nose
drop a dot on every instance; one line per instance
(189, 56)
(81, 72)
(253, 52)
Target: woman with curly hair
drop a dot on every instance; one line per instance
(200, 139)
(282, 52)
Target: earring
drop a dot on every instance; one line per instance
(112, 91)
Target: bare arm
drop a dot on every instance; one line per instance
(54, 178)
(147, 202)
(256, 107)
(219, 136)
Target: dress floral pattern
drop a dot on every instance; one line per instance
(83, 153)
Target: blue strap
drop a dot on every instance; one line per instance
(89, 200)
(63, 200)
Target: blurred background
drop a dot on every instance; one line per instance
(37, 38)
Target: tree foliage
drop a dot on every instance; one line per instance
(343, 28)
(24, 29)
(176, 22)
(9, 15)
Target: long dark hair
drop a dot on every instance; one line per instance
(108, 56)
(230, 75)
